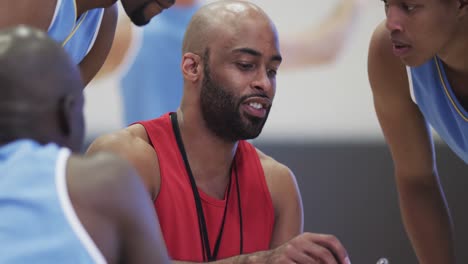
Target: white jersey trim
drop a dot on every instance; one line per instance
(57, 8)
(410, 83)
(62, 191)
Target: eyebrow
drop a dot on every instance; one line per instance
(256, 53)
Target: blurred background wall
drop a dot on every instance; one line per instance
(323, 127)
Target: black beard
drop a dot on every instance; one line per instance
(220, 110)
(138, 15)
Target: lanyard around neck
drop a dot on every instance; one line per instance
(207, 256)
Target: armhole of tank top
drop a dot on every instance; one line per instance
(67, 207)
(410, 83)
(96, 33)
(57, 8)
(263, 182)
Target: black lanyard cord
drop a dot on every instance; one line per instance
(207, 256)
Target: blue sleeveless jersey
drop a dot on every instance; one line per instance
(77, 35)
(37, 221)
(440, 107)
(154, 83)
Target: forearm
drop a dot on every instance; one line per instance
(254, 258)
(427, 221)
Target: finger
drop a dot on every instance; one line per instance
(303, 258)
(320, 253)
(296, 254)
(334, 245)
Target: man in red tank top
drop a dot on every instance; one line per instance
(218, 198)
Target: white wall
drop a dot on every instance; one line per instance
(331, 102)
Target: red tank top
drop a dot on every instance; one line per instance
(176, 207)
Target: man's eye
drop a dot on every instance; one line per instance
(408, 8)
(272, 73)
(245, 66)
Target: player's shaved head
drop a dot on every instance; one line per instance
(218, 19)
(40, 86)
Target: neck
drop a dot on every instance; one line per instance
(455, 54)
(209, 156)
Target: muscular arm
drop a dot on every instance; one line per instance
(116, 210)
(123, 40)
(132, 145)
(422, 202)
(93, 62)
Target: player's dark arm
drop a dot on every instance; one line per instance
(93, 62)
(141, 235)
(422, 204)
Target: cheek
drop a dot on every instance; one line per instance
(232, 81)
(432, 33)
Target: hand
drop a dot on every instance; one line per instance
(309, 248)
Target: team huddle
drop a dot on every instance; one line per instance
(188, 186)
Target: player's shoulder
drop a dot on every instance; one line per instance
(281, 182)
(384, 68)
(103, 168)
(131, 138)
(380, 48)
(275, 171)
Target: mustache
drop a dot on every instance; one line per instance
(262, 95)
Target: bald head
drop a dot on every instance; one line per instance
(33, 66)
(221, 18)
(36, 78)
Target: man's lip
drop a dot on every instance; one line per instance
(265, 102)
(397, 42)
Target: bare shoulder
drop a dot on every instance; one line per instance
(126, 142)
(38, 14)
(387, 74)
(273, 168)
(280, 180)
(133, 145)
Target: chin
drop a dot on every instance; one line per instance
(414, 62)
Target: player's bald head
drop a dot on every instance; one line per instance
(218, 19)
(41, 89)
(33, 65)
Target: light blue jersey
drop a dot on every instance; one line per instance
(440, 107)
(77, 35)
(153, 84)
(37, 221)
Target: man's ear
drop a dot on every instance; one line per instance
(191, 66)
(65, 112)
